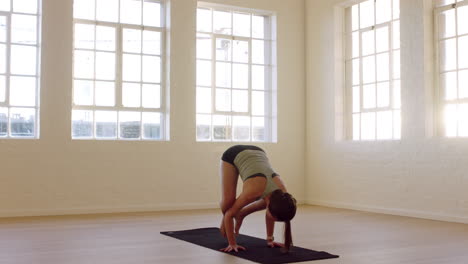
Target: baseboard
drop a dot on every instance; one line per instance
(109, 210)
(392, 211)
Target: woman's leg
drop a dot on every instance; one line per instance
(229, 177)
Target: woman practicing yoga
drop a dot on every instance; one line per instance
(262, 189)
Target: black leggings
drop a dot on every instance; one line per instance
(230, 154)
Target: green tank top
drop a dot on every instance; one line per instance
(252, 163)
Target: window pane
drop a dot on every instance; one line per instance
(131, 95)
(151, 14)
(151, 97)
(258, 51)
(23, 29)
(2, 88)
(83, 92)
(203, 20)
(203, 73)
(356, 127)
(151, 125)
(366, 15)
(105, 94)
(240, 76)
(383, 10)
(22, 91)
(396, 9)
(354, 17)
(447, 24)
(131, 68)
(2, 58)
(258, 103)
(105, 38)
(396, 94)
(222, 22)
(106, 124)
(105, 66)
(258, 128)
(82, 124)
(368, 96)
(356, 72)
(355, 43)
(383, 71)
(223, 74)
(383, 94)
(107, 10)
(463, 84)
(23, 60)
(129, 125)
(368, 42)
(151, 69)
(368, 69)
(451, 120)
(448, 55)
(449, 85)
(83, 64)
(132, 40)
(258, 27)
(151, 42)
(463, 52)
(368, 126)
(83, 9)
(221, 127)
(240, 51)
(5, 6)
(22, 122)
(203, 100)
(25, 6)
(130, 12)
(356, 99)
(84, 36)
(396, 64)
(203, 46)
(382, 39)
(241, 128)
(462, 20)
(223, 100)
(3, 121)
(384, 125)
(241, 25)
(203, 127)
(396, 34)
(3, 29)
(223, 49)
(240, 101)
(258, 77)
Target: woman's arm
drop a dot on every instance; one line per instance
(246, 210)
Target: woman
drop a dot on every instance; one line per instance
(262, 189)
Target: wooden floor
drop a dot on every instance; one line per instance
(358, 237)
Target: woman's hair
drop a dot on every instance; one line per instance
(282, 206)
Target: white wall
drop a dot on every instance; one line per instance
(421, 175)
(55, 175)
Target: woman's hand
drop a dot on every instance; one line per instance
(239, 218)
(273, 244)
(231, 248)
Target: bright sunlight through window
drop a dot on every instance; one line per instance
(234, 75)
(118, 79)
(19, 68)
(452, 31)
(373, 70)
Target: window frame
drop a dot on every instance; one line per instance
(394, 105)
(118, 89)
(8, 74)
(441, 102)
(269, 78)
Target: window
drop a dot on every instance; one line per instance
(19, 68)
(452, 34)
(373, 70)
(118, 70)
(235, 82)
